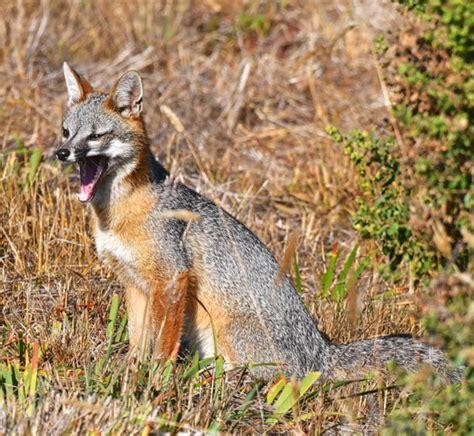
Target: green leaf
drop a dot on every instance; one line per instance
(275, 390)
(290, 392)
(287, 399)
(308, 381)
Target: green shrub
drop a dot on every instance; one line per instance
(416, 192)
(416, 197)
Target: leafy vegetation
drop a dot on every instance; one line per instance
(416, 189)
(417, 195)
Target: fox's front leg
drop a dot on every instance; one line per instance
(139, 319)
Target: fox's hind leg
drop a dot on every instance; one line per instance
(168, 304)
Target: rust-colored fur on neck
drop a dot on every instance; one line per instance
(136, 183)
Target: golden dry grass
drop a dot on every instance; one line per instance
(253, 97)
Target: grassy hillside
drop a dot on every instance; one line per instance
(254, 85)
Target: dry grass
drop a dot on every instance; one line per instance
(253, 98)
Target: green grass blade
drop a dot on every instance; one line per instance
(340, 290)
(291, 393)
(113, 314)
(219, 378)
(329, 274)
(214, 428)
(7, 374)
(18, 382)
(167, 371)
(362, 267)
(193, 369)
(247, 402)
(122, 333)
(114, 307)
(33, 165)
(298, 281)
(33, 378)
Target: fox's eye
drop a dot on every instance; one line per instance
(65, 133)
(95, 136)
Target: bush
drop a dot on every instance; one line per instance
(416, 192)
(416, 197)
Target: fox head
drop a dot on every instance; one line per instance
(102, 132)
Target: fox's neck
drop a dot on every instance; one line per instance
(123, 189)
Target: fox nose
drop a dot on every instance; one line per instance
(63, 154)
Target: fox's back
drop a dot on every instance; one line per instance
(238, 280)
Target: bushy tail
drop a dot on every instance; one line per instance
(358, 358)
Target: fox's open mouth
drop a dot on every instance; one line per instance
(91, 170)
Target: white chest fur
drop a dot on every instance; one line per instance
(109, 244)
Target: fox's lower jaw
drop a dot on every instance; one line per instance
(91, 170)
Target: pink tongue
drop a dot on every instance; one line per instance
(89, 175)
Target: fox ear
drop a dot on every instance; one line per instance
(127, 94)
(77, 87)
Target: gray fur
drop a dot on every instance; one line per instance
(269, 322)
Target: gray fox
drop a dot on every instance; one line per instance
(194, 276)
